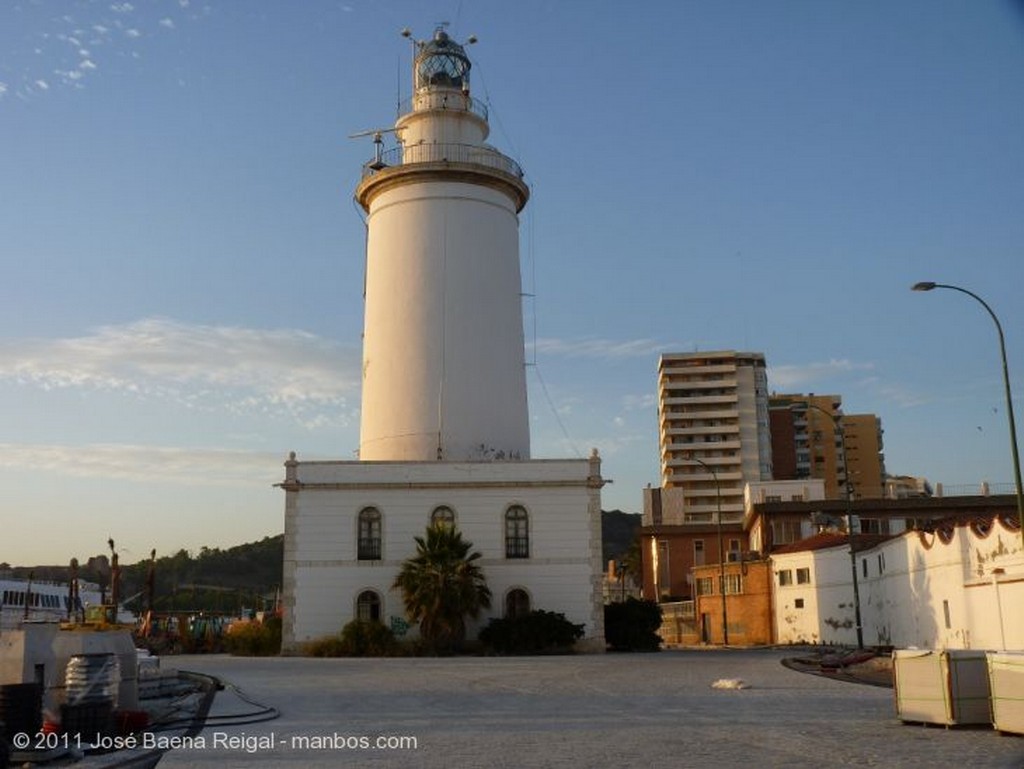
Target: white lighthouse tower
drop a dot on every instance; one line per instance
(445, 430)
(443, 361)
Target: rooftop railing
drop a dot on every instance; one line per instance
(469, 154)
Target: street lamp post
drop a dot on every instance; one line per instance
(721, 550)
(928, 286)
(837, 426)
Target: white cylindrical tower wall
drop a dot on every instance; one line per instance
(443, 360)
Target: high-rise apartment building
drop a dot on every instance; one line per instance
(807, 444)
(864, 457)
(714, 433)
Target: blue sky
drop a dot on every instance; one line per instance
(183, 261)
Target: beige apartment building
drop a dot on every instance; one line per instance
(806, 444)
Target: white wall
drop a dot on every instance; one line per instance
(827, 615)
(978, 581)
(323, 575)
(443, 334)
(918, 591)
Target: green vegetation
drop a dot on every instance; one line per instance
(254, 639)
(359, 638)
(538, 632)
(442, 585)
(632, 626)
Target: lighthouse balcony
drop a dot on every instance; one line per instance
(443, 152)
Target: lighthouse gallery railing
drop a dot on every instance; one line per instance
(443, 152)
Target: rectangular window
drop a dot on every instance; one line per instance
(664, 575)
(874, 525)
(803, 576)
(798, 603)
(705, 586)
(698, 552)
(369, 549)
(785, 577)
(733, 584)
(864, 566)
(945, 612)
(784, 532)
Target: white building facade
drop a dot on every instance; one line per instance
(444, 430)
(955, 587)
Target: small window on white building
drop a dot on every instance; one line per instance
(785, 577)
(442, 516)
(369, 545)
(798, 603)
(517, 532)
(368, 606)
(517, 603)
(945, 612)
(803, 576)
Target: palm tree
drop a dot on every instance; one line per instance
(441, 585)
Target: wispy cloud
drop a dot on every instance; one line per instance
(146, 463)
(642, 402)
(239, 369)
(100, 32)
(600, 348)
(798, 375)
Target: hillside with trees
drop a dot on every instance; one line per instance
(244, 577)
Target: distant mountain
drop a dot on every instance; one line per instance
(618, 530)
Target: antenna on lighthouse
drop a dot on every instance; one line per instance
(378, 144)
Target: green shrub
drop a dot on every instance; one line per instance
(539, 632)
(367, 638)
(632, 626)
(328, 646)
(254, 639)
(359, 638)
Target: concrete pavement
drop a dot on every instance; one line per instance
(579, 711)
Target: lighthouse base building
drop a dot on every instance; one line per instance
(349, 526)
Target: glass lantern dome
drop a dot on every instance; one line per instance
(442, 63)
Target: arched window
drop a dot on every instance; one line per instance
(369, 534)
(443, 516)
(368, 606)
(517, 603)
(517, 533)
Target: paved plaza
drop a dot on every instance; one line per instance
(576, 711)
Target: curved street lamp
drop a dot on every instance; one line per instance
(928, 286)
(837, 426)
(721, 551)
